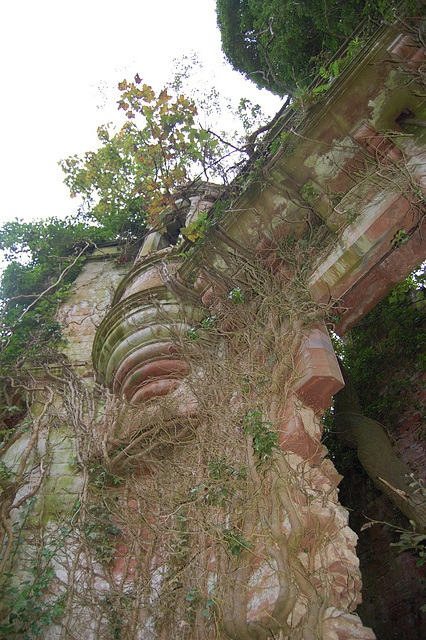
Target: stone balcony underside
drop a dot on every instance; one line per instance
(134, 350)
(148, 273)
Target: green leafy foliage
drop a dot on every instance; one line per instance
(408, 540)
(193, 333)
(205, 326)
(197, 230)
(236, 295)
(5, 472)
(209, 609)
(44, 259)
(136, 174)
(265, 441)
(221, 482)
(137, 170)
(279, 43)
(101, 478)
(193, 599)
(400, 238)
(28, 607)
(387, 349)
(383, 354)
(100, 529)
(412, 541)
(209, 322)
(236, 542)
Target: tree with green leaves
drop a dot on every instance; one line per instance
(279, 43)
(136, 173)
(137, 170)
(44, 258)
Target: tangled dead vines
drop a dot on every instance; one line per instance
(185, 520)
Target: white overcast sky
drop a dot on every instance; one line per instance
(59, 61)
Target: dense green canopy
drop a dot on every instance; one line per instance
(278, 43)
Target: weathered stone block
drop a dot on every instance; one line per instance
(320, 375)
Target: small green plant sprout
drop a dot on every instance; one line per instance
(412, 541)
(235, 541)
(208, 611)
(400, 238)
(265, 441)
(236, 295)
(351, 215)
(209, 322)
(193, 333)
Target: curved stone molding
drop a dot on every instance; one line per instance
(134, 350)
(151, 272)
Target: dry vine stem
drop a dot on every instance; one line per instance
(187, 519)
(193, 516)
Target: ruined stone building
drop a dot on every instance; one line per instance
(179, 487)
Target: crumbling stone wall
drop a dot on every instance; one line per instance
(204, 504)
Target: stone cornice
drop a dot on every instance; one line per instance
(339, 143)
